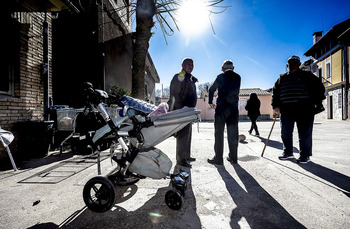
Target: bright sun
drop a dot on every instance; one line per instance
(193, 17)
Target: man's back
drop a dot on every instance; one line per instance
(228, 85)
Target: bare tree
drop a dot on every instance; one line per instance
(146, 11)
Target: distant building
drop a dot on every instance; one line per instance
(263, 95)
(330, 55)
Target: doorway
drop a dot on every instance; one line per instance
(330, 107)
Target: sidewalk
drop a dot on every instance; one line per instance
(258, 192)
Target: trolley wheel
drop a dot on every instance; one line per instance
(173, 199)
(99, 194)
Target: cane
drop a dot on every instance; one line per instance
(274, 120)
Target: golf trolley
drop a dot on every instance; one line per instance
(139, 129)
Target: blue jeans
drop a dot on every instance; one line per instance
(305, 126)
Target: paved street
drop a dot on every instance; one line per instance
(258, 192)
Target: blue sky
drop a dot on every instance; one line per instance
(258, 36)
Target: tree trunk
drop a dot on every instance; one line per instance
(145, 10)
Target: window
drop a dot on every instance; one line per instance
(328, 70)
(9, 66)
(340, 100)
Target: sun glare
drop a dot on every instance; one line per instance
(193, 17)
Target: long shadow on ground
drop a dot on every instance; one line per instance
(338, 179)
(153, 214)
(256, 205)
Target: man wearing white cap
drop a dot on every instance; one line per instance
(228, 85)
(297, 97)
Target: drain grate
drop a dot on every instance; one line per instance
(61, 171)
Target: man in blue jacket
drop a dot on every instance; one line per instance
(228, 85)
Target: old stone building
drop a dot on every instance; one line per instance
(50, 48)
(330, 55)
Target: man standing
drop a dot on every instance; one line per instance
(228, 85)
(297, 97)
(183, 93)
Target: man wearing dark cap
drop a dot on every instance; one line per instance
(228, 85)
(297, 97)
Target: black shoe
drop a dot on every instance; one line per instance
(303, 160)
(250, 131)
(231, 160)
(286, 157)
(257, 134)
(191, 159)
(185, 164)
(214, 161)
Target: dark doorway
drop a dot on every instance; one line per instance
(330, 107)
(76, 56)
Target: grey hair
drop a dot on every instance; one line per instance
(228, 64)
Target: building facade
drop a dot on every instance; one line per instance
(330, 62)
(266, 110)
(50, 48)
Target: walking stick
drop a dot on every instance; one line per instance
(274, 120)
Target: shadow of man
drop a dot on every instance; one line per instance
(340, 180)
(153, 214)
(257, 206)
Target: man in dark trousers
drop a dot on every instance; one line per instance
(183, 93)
(297, 97)
(228, 85)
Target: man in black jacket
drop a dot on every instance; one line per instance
(228, 85)
(297, 97)
(183, 93)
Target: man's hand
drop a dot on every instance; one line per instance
(276, 112)
(212, 106)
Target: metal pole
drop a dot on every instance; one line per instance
(98, 163)
(9, 153)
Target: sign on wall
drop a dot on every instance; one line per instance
(242, 103)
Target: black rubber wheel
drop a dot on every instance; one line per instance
(99, 194)
(173, 199)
